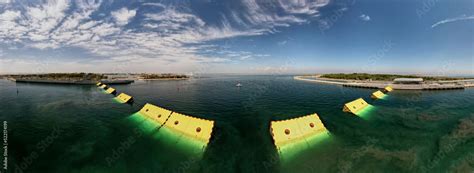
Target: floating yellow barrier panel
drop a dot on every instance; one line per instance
(110, 90)
(378, 95)
(284, 132)
(103, 86)
(388, 89)
(188, 134)
(355, 106)
(99, 84)
(297, 129)
(124, 98)
(155, 113)
(194, 128)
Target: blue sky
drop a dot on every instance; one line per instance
(238, 36)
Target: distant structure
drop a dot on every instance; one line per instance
(408, 81)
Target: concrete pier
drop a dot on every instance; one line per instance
(406, 86)
(445, 85)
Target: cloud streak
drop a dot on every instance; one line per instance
(450, 20)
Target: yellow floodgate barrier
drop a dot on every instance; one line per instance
(103, 86)
(195, 128)
(124, 98)
(295, 130)
(355, 106)
(110, 90)
(158, 114)
(185, 133)
(388, 89)
(378, 95)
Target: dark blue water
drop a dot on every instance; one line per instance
(69, 128)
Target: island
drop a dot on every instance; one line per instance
(66, 78)
(163, 76)
(91, 78)
(402, 82)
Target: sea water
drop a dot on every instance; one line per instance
(74, 128)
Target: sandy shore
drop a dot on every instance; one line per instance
(321, 80)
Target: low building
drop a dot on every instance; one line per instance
(408, 81)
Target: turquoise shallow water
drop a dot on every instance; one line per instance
(67, 128)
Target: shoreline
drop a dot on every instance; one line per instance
(72, 82)
(441, 85)
(164, 79)
(319, 81)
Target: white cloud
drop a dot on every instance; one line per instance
(172, 37)
(364, 17)
(302, 6)
(449, 20)
(47, 16)
(9, 16)
(281, 43)
(294, 11)
(5, 1)
(151, 25)
(172, 20)
(123, 16)
(154, 4)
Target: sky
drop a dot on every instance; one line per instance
(434, 37)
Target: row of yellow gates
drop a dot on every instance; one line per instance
(284, 133)
(196, 129)
(122, 97)
(291, 134)
(360, 104)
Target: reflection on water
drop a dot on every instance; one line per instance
(408, 131)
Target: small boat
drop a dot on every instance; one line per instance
(238, 85)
